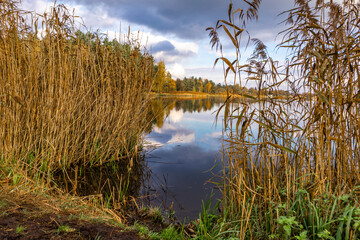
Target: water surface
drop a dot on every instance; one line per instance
(183, 150)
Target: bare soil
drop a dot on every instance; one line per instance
(35, 223)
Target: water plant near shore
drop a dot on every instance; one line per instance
(276, 150)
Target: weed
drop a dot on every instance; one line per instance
(144, 231)
(65, 229)
(170, 233)
(20, 229)
(155, 214)
(207, 219)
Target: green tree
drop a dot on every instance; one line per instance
(179, 85)
(200, 85)
(159, 77)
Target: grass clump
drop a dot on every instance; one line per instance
(155, 214)
(325, 217)
(65, 229)
(144, 231)
(170, 233)
(20, 229)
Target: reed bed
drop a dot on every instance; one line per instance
(286, 162)
(67, 99)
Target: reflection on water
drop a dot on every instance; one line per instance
(183, 147)
(110, 183)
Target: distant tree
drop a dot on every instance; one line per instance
(212, 87)
(159, 77)
(208, 87)
(188, 84)
(169, 84)
(199, 85)
(179, 85)
(172, 85)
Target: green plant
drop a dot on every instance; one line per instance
(20, 229)
(287, 223)
(144, 231)
(170, 233)
(207, 219)
(155, 214)
(65, 229)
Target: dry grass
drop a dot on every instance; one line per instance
(65, 101)
(274, 149)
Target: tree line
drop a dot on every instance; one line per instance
(163, 81)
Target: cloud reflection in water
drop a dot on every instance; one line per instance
(190, 146)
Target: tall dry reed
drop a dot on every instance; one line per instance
(66, 100)
(272, 148)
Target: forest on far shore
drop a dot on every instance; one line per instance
(165, 83)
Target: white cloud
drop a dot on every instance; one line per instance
(176, 70)
(186, 46)
(98, 18)
(176, 116)
(166, 127)
(215, 134)
(39, 6)
(182, 137)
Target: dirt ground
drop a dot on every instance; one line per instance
(20, 219)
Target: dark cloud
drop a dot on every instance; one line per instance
(169, 53)
(163, 46)
(186, 19)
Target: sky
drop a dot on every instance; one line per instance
(174, 31)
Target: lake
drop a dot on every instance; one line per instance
(183, 154)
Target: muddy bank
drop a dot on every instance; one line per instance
(20, 219)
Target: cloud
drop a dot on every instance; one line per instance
(176, 70)
(215, 134)
(173, 52)
(166, 127)
(174, 31)
(169, 133)
(163, 46)
(186, 19)
(182, 137)
(176, 116)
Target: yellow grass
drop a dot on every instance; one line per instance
(66, 101)
(273, 149)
